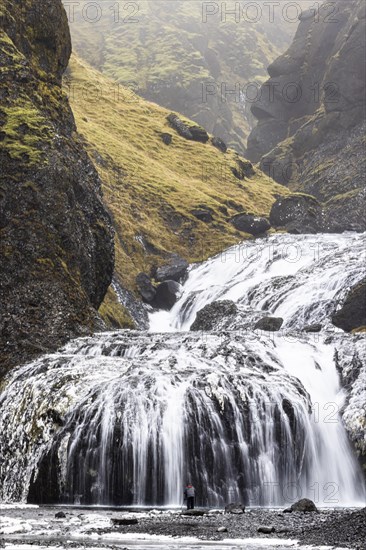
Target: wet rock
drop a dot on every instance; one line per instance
(248, 223)
(352, 314)
(222, 529)
(271, 324)
(202, 215)
(167, 293)
(124, 521)
(298, 213)
(166, 138)
(209, 317)
(219, 144)
(175, 270)
(194, 513)
(60, 515)
(235, 508)
(303, 505)
(145, 287)
(266, 529)
(316, 327)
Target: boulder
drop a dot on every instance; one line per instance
(352, 314)
(271, 324)
(302, 505)
(195, 512)
(175, 270)
(60, 515)
(124, 521)
(167, 293)
(298, 213)
(266, 529)
(243, 169)
(188, 130)
(248, 223)
(221, 529)
(202, 215)
(234, 508)
(166, 138)
(208, 317)
(219, 144)
(145, 287)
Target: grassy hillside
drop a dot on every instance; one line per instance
(150, 188)
(166, 51)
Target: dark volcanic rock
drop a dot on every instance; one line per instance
(266, 529)
(57, 249)
(298, 213)
(270, 324)
(145, 287)
(352, 314)
(175, 270)
(313, 328)
(60, 515)
(234, 508)
(219, 144)
(194, 513)
(124, 521)
(202, 215)
(303, 505)
(188, 131)
(167, 293)
(243, 169)
(254, 225)
(166, 138)
(208, 317)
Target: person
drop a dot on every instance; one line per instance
(189, 496)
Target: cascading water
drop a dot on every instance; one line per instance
(128, 417)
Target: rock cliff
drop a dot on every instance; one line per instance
(57, 250)
(310, 132)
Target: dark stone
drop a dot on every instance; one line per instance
(271, 324)
(219, 144)
(316, 327)
(60, 515)
(202, 215)
(208, 317)
(299, 213)
(221, 529)
(167, 293)
(267, 530)
(175, 270)
(352, 314)
(166, 138)
(244, 169)
(235, 508)
(188, 131)
(194, 512)
(250, 224)
(145, 287)
(124, 521)
(303, 505)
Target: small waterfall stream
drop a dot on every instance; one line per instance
(127, 417)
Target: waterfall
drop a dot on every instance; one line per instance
(128, 417)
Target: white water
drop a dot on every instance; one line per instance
(127, 417)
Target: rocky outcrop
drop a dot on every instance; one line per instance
(297, 213)
(175, 270)
(352, 314)
(255, 225)
(57, 250)
(310, 113)
(188, 130)
(270, 324)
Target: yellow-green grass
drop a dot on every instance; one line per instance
(150, 188)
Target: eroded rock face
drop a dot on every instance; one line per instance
(297, 213)
(310, 114)
(57, 250)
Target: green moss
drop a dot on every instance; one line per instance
(113, 313)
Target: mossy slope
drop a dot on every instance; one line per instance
(151, 188)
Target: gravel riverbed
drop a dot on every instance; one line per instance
(32, 527)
